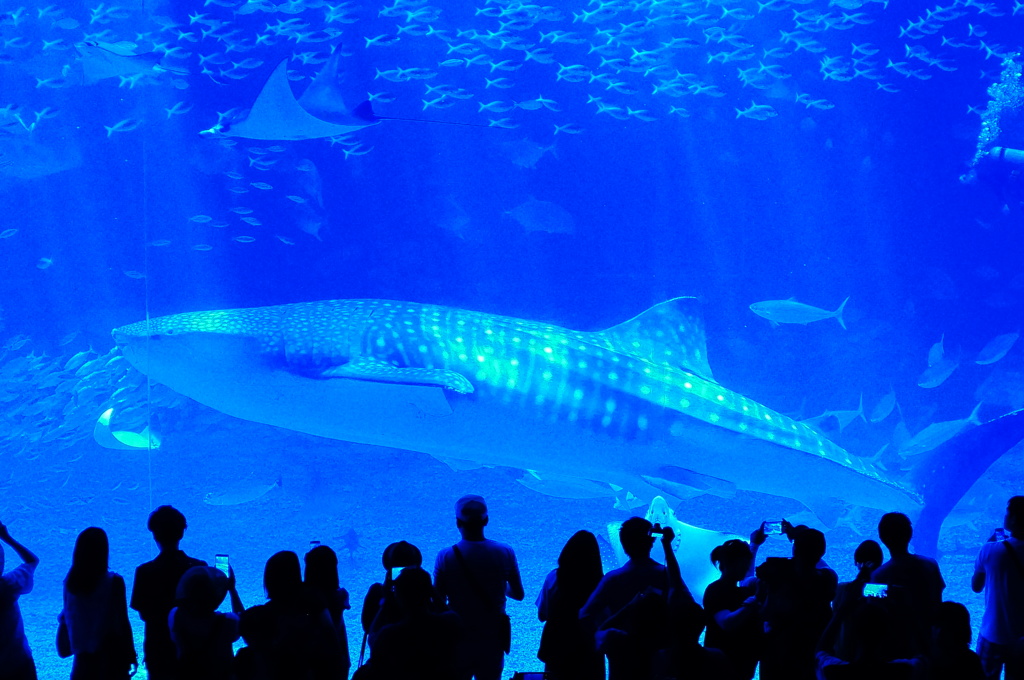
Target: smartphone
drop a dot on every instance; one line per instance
(395, 571)
(875, 590)
(314, 544)
(771, 528)
(1001, 534)
(656, 530)
(221, 562)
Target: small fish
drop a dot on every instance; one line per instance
(261, 185)
(252, 220)
(244, 239)
(159, 243)
(178, 109)
(132, 274)
(791, 311)
(296, 199)
(16, 342)
(569, 129)
(238, 190)
(44, 263)
(883, 408)
(757, 112)
(68, 339)
(937, 434)
(202, 247)
(937, 373)
(277, 148)
(284, 240)
(233, 175)
(7, 233)
(200, 219)
(126, 125)
(239, 210)
(997, 348)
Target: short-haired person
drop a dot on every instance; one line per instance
(474, 577)
(915, 582)
(641, 577)
(154, 591)
(999, 571)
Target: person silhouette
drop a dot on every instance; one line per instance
(474, 577)
(999, 572)
(96, 613)
(567, 650)
(321, 579)
(16, 662)
(154, 591)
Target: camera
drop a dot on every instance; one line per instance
(656, 530)
(772, 528)
(221, 562)
(876, 590)
(314, 544)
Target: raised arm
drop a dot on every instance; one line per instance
(26, 555)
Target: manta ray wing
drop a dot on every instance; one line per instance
(277, 115)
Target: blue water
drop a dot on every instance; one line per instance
(858, 196)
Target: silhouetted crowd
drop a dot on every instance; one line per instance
(787, 618)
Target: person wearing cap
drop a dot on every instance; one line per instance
(16, 660)
(474, 577)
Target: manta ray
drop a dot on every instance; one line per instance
(632, 408)
(319, 113)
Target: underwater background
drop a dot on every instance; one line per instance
(601, 158)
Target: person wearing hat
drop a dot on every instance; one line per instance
(474, 577)
(202, 636)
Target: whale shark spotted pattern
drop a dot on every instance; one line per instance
(635, 405)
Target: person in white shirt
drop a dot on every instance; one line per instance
(999, 572)
(16, 661)
(474, 577)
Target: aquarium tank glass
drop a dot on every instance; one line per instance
(311, 271)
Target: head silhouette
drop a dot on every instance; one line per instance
(89, 561)
(282, 576)
(868, 552)
(167, 525)
(733, 559)
(471, 512)
(322, 568)
(952, 625)
(414, 589)
(1014, 520)
(635, 537)
(202, 589)
(809, 547)
(895, 531)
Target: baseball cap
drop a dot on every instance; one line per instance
(471, 507)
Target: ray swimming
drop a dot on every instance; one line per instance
(632, 407)
(320, 113)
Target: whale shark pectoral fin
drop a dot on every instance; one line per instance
(381, 371)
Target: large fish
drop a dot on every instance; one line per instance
(632, 406)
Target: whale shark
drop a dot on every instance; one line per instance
(633, 407)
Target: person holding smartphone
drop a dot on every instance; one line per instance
(999, 572)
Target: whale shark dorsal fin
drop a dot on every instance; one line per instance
(277, 115)
(670, 334)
